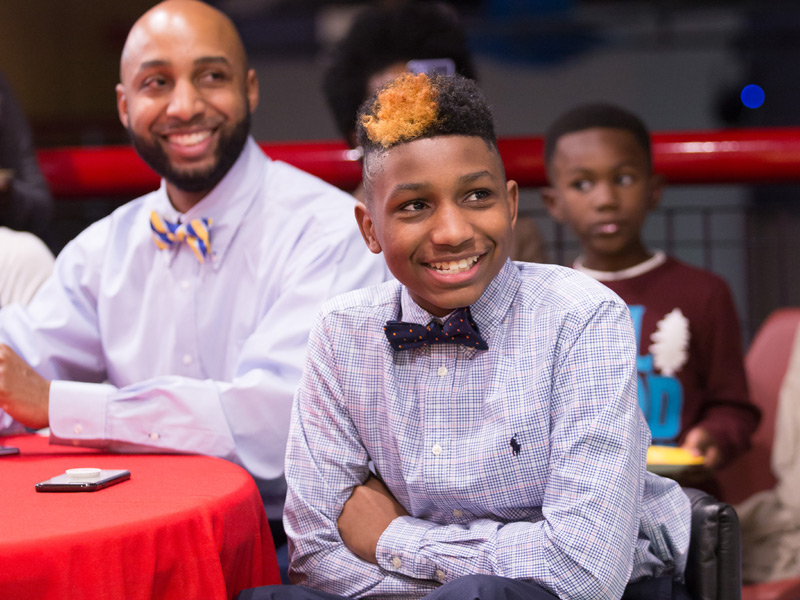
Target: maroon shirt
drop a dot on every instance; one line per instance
(705, 385)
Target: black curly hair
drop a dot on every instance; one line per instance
(413, 107)
(382, 36)
(591, 116)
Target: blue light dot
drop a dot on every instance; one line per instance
(752, 96)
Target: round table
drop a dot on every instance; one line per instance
(183, 526)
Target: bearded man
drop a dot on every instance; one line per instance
(179, 322)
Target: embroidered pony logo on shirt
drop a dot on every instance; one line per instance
(515, 445)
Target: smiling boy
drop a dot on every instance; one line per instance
(470, 430)
(692, 386)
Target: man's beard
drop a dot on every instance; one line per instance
(229, 148)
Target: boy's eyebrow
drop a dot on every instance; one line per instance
(619, 165)
(409, 187)
(415, 186)
(473, 176)
(467, 178)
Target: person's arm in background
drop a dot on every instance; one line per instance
(597, 453)
(25, 264)
(25, 201)
(728, 417)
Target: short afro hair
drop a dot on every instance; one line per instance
(413, 107)
(382, 36)
(591, 116)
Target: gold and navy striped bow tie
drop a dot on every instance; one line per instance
(196, 234)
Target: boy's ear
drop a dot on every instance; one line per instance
(367, 227)
(513, 200)
(551, 203)
(657, 183)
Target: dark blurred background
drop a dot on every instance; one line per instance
(679, 64)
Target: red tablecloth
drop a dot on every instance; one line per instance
(181, 527)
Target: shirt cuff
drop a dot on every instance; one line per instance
(78, 410)
(400, 550)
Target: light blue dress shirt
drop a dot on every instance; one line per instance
(150, 350)
(524, 461)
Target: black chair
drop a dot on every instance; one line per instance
(714, 565)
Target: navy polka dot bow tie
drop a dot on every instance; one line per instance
(458, 329)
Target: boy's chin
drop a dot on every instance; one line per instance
(445, 304)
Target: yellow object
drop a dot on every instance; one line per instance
(671, 455)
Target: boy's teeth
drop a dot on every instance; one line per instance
(455, 266)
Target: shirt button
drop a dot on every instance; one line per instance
(442, 371)
(78, 429)
(440, 575)
(437, 449)
(185, 284)
(154, 435)
(187, 359)
(397, 562)
(457, 512)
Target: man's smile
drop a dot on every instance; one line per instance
(188, 139)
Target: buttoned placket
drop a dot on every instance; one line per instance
(440, 370)
(186, 275)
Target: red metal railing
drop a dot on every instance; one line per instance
(724, 156)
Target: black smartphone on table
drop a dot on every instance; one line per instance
(65, 483)
(8, 450)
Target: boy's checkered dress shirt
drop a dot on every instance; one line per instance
(526, 460)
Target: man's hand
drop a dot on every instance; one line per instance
(700, 443)
(365, 516)
(23, 393)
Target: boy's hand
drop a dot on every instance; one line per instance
(700, 443)
(24, 394)
(365, 516)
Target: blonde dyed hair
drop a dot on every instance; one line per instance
(404, 110)
(423, 106)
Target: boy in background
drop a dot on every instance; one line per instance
(691, 385)
(386, 40)
(471, 429)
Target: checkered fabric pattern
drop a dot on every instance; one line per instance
(526, 460)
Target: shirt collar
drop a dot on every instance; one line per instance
(651, 263)
(487, 311)
(226, 204)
